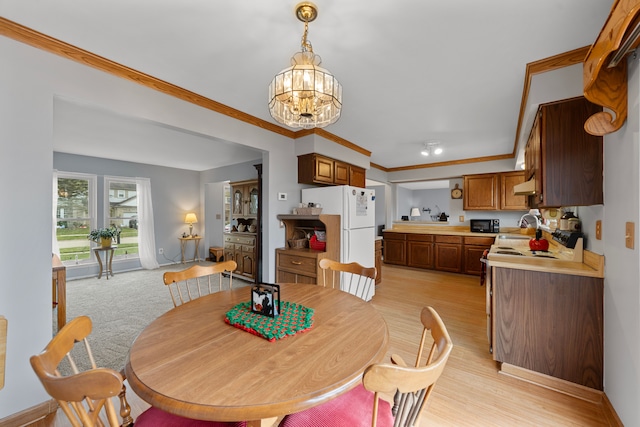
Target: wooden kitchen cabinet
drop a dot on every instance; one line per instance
(448, 253)
(395, 248)
(378, 260)
(340, 173)
(481, 192)
(566, 161)
(549, 323)
(300, 265)
(318, 169)
(244, 199)
(474, 247)
(493, 191)
(420, 250)
(357, 176)
(508, 200)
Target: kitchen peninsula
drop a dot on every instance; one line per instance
(545, 314)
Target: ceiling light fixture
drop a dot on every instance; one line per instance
(431, 147)
(305, 95)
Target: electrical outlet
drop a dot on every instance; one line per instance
(160, 251)
(599, 229)
(461, 218)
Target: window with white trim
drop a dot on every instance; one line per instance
(121, 206)
(75, 216)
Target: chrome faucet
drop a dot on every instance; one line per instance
(525, 220)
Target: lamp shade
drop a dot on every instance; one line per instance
(190, 218)
(415, 212)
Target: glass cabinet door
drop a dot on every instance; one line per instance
(238, 201)
(253, 201)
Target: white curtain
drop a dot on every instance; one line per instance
(146, 233)
(55, 248)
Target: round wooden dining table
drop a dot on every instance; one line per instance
(191, 363)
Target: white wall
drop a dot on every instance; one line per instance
(26, 158)
(29, 81)
(622, 269)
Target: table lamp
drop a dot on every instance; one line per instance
(190, 219)
(415, 212)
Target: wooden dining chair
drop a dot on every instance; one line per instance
(411, 387)
(186, 285)
(352, 277)
(86, 396)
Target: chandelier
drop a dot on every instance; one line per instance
(305, 95)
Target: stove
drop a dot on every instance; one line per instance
(522, 251)
(564, 246)
(568, 239)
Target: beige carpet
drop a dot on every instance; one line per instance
(120, 308)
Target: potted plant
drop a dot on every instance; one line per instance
(104, 236)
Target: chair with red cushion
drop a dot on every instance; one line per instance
(86, 396)
(412, 386)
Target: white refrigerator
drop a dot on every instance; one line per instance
(356, 207)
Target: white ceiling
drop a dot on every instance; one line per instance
(412, 70)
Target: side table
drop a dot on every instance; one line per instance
(108, 259)
(183, 245)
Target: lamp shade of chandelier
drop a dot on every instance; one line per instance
(305, 95)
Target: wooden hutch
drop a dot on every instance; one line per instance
(300, 265)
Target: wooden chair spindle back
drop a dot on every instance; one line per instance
(185, 286)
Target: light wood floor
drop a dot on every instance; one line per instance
(470, 392)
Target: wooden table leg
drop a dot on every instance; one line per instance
(109, 268)
(183, 243)
(99, 263)
(267, 422)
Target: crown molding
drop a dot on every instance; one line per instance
(49, 44)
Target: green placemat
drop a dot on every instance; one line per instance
(294, 319)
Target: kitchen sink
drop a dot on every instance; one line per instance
(514, 236)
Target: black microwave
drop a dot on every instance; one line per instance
(485, 225)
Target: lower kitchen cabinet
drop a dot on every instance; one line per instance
(453, 253)
(549, 323)
(448, 253)
(420, 250)
(378, 260)
(474, 247)
(395, 248)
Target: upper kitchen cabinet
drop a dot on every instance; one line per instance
(244, 199)
(481, 192)
(317, 169)
(563, 159)
(508, 200)
(493, 191)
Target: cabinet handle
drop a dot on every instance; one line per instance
(296, 262)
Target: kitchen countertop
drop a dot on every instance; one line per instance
(591, 264)
(450, 230)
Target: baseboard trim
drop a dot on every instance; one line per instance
(30, 415)
(610, 413)
(557, 384)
